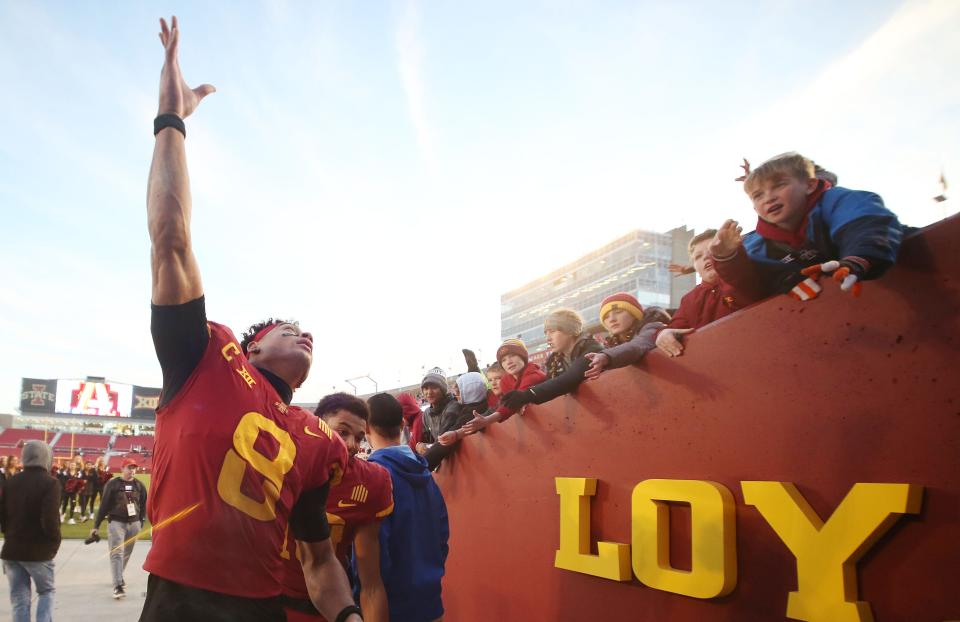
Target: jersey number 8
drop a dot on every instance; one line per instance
(243, 454)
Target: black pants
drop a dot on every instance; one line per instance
(168, 601)
(69, 498)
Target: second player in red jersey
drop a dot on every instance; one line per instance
(354, 510)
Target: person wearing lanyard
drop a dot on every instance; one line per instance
(123, 504)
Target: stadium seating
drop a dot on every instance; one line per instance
(91, 445)
(15, 438)
(142, 443)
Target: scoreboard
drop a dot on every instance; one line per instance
(92, 397)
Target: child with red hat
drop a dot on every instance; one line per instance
(633, 333)
(520, 374)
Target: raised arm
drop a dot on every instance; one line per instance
(176, 276)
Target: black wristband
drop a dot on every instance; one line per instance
(169, 120)
(347, 612)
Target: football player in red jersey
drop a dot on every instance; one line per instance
(235, 465)
(355, 508)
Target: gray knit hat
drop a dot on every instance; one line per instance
(565, 320)
(36, 453)
(436, 377)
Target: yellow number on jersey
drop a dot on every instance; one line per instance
(243, 454)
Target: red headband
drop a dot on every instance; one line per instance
(262, 332)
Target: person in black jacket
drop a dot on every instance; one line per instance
(442, 410)
(30, 520)
(124, 504)
(472, 402)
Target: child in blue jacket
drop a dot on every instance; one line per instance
(806, 227)
(413, 539)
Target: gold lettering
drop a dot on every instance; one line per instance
(713, 541)
(827, 553)
(228, 350)
(246, 376)
(613, 558)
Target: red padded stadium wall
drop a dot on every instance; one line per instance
(823, 394)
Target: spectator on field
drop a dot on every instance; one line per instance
(413, 539)
(28, 518)
(12, 466)
(442, 412)
(124, 505)
(74, 484)
(473, 399)
(632, 333)
(713, 298)
(103, 476)
(494, 374)
(91, 480)
(806, 228)
(412, 432)
(520, 375)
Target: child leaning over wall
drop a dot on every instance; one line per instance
(805, 228)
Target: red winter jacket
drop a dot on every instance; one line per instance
(708, 302)
(530, 375)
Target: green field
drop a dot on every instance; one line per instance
(82, 530)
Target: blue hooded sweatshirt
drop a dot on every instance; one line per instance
(413, 539)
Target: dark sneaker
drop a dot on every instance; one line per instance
(118, 592)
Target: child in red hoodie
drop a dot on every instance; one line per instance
(713, 298)
(519, 374)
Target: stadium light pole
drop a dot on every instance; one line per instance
(376, 387)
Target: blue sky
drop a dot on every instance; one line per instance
(383, 171)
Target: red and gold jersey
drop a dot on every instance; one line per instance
(230, 461)
(364, 495)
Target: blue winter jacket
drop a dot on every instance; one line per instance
(842, 223)
(413, 539)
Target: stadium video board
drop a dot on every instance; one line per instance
(85, 397)
(93, 397)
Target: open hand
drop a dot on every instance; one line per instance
(598, 362)
(175, 96)
(476, 424)
(448, 438)
(727, 240)
(668, 341)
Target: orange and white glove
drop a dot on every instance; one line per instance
(848, 272)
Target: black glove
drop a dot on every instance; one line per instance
(515, 400)
(94, 537)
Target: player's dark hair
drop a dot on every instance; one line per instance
(251, 332)
(386, 415)
(342, 401)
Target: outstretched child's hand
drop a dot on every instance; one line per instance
(668, 340)
(449, 438)
(598, 362)
(476, 424)
(847, 271)
(727, 239)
